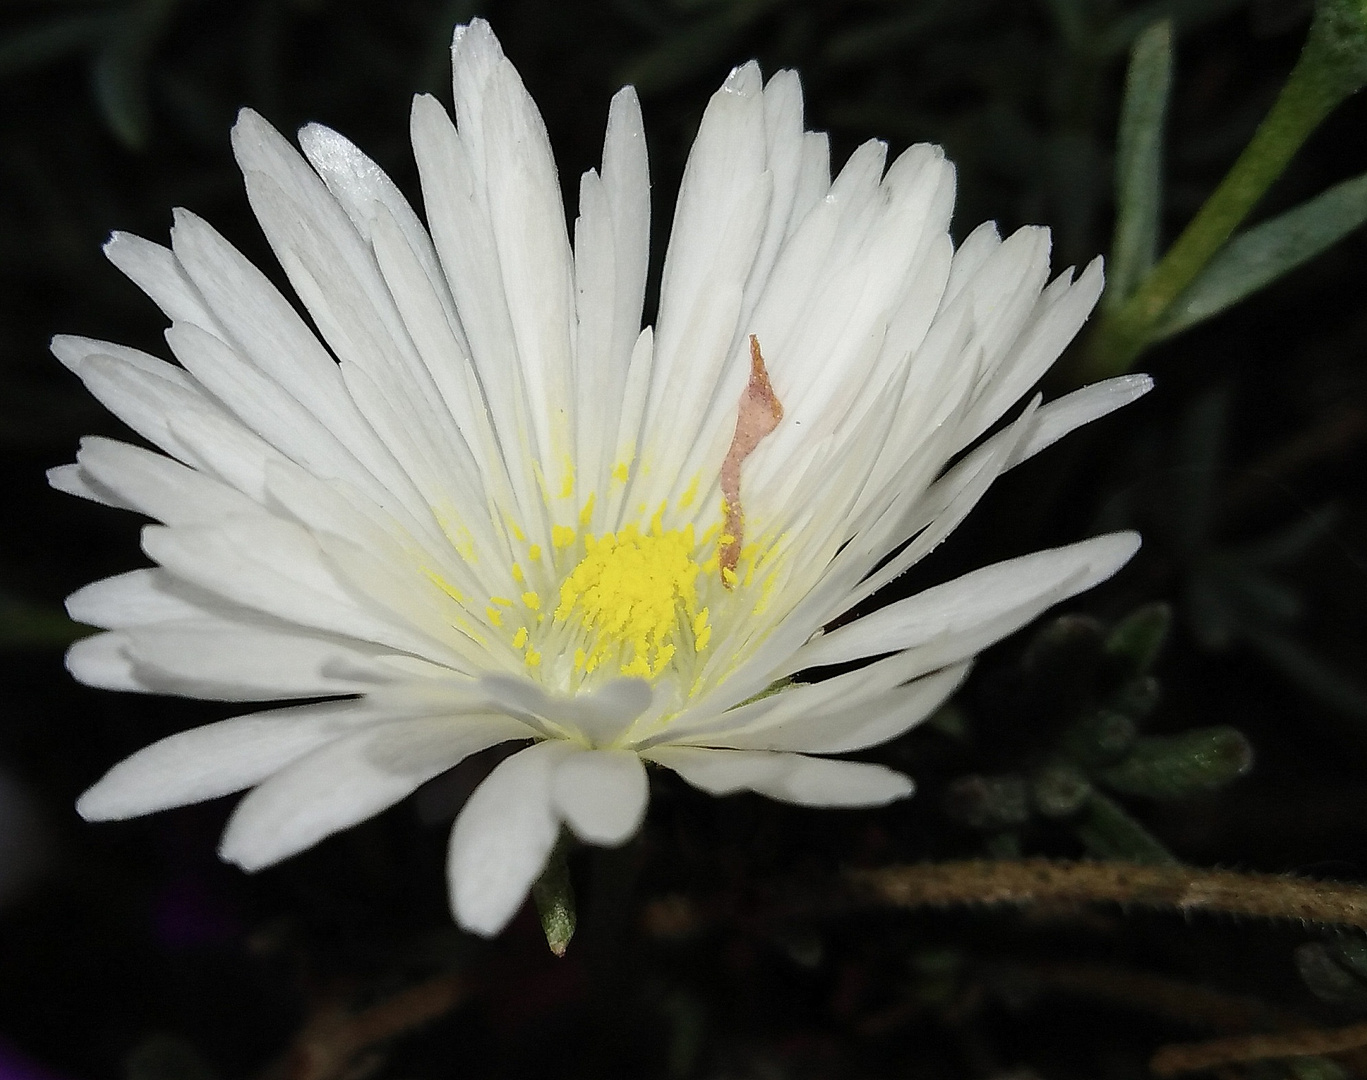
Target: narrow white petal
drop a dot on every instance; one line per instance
(73, 480)
(102, 661)
(222, 661)
(791, 778)
(156, 271)
(217, 759)
(602, 795)
(840, 715)
(998, 598)
(823, 782)
(348, 781)
(502, 838)
(600, 714)
(155, 485)
(137, 598)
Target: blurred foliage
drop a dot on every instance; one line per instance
(710, 946)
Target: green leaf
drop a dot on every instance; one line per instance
(49, 41)
(1139, 163)
(27, 627)
(1168, 768)
(120, 72)
(1138, 638)
(1261, 255)
(1108, 832)
(1099, 738)
(1059, 790)
(1323, 972)
(1185, 14)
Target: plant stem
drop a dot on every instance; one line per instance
(1182, 888)
(1322, 77)
(1198, 1057)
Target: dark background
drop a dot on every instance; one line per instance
(715, 944)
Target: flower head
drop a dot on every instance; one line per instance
(476, 503)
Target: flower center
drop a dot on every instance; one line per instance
(633, 600)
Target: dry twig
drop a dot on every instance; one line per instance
(1181, 888)
(1192, 1057)
(333, 1042)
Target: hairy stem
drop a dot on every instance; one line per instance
(1180, 888)
(1193, 1057)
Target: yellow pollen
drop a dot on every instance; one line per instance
(534, 552)
(691, 493)
(620, 472)
(517, 573)
(562, 536)
(533, 658)
(531, 600)
(495, 616)
(634, 596)
(520, 638)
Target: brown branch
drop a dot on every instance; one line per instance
(1162, 995)
(1192, 1057)
(1182, 888)
(333, 1041)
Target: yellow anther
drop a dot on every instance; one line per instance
(534, 552)
(620, 472)
(634, 596)
(586, 514)
(562, 536)
(495, 616)
(520, 638)
(518, 576)
(502, 601)
(532, 600)
(533, 658)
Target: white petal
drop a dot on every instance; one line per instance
(350, 780)
(602, 795)
(600, 715)
(156, 271)
(155, 485)
(849, 712)
(787, 777)
(73, 480)
(823, 782)
(995, 601)
(102, 661)
(137, 598)
(217, 759)
(501, 840)
(221, 661)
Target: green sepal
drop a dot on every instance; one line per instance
(554, 897)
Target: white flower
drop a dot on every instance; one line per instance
(480, 504)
